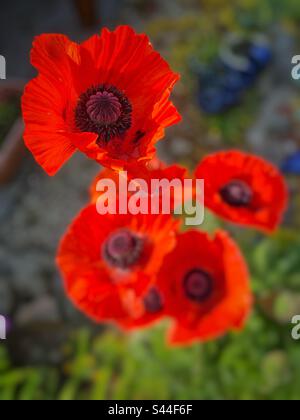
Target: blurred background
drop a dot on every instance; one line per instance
(236, 91)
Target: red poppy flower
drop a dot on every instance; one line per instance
(205, 284)
(244, 189)
(108, 261)
(156, 170)
(107, 97)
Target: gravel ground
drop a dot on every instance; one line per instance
(36, 215)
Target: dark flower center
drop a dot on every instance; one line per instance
(122, 249)
(104, 110)
(153, 301)
(237, 193)
(198, 285)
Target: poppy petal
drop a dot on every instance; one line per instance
(120, 66)
(98, 285)
(205, 282)
(51, 55)
(258, 183)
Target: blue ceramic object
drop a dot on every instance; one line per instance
(217, 98)
(291, 165)
(261, 55)
(222, 84)
(240, 80)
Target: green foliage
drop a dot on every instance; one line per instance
(275, 263)
(250, 365)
